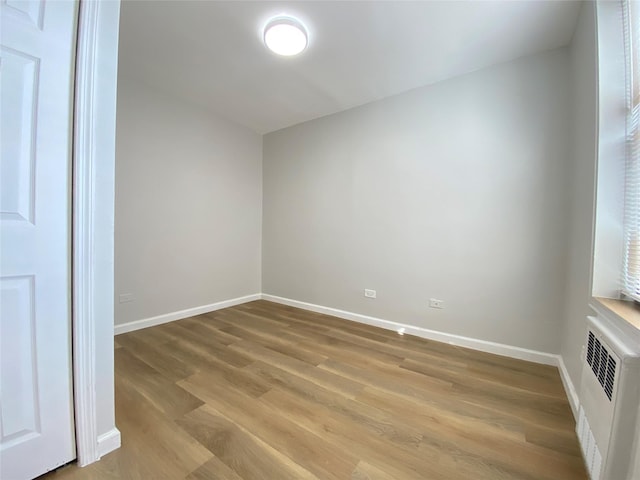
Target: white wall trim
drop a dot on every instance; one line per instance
(452, 339)
(458, 340)
(108, 442)
(189, 312)
(84, 355)
(473, 343)
(88, 267)
(569, 388)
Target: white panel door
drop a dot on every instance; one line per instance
(36, 94)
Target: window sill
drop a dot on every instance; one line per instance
(627, 311)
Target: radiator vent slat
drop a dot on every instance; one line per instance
(596, 358)
(604, 358)
(611, 375)
(602, 364)
(590, 348)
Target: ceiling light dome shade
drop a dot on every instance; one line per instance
(285, 36)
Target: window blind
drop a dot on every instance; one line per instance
(631, 267)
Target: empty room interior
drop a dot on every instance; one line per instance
(403, 243)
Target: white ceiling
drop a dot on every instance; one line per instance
(211, 53)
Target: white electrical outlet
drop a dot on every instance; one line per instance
(125, 297)
(369, 293)
(435, 303)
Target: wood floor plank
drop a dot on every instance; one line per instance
(161, 392)
(460, 371)
(155, 336)
(424, 389)
(310, 451)
(532, 410)
(343, 408)
(530, 381)
(317, 375)
(276, 343)
(463, 380)
(366, 471)
(401, 461)
(214, 469)
(242, 317)
(267, 391)
(454, 417)
(203, 324)
(503, 418)
(240, 450)
(331, 344)
(157, 357)
(217, 370)
(208, 342)
(560, 440)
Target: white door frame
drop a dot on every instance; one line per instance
(93, 224)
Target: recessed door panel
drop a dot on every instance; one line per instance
(29, 11)
(18, 135)
(20, 408)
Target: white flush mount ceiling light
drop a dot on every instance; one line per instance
(285, 36)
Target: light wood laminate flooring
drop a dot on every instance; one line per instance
(266, 391)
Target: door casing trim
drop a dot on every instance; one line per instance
(92, 268)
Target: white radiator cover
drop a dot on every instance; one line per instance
(609, 399)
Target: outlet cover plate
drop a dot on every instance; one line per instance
(125, 297)
(435, 303)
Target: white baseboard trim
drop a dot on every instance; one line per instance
(189, 312)
(111, 440)
(108, 442)
(569, 388)
(473, 343)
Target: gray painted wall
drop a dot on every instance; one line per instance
(188, 206)
(455, 191)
